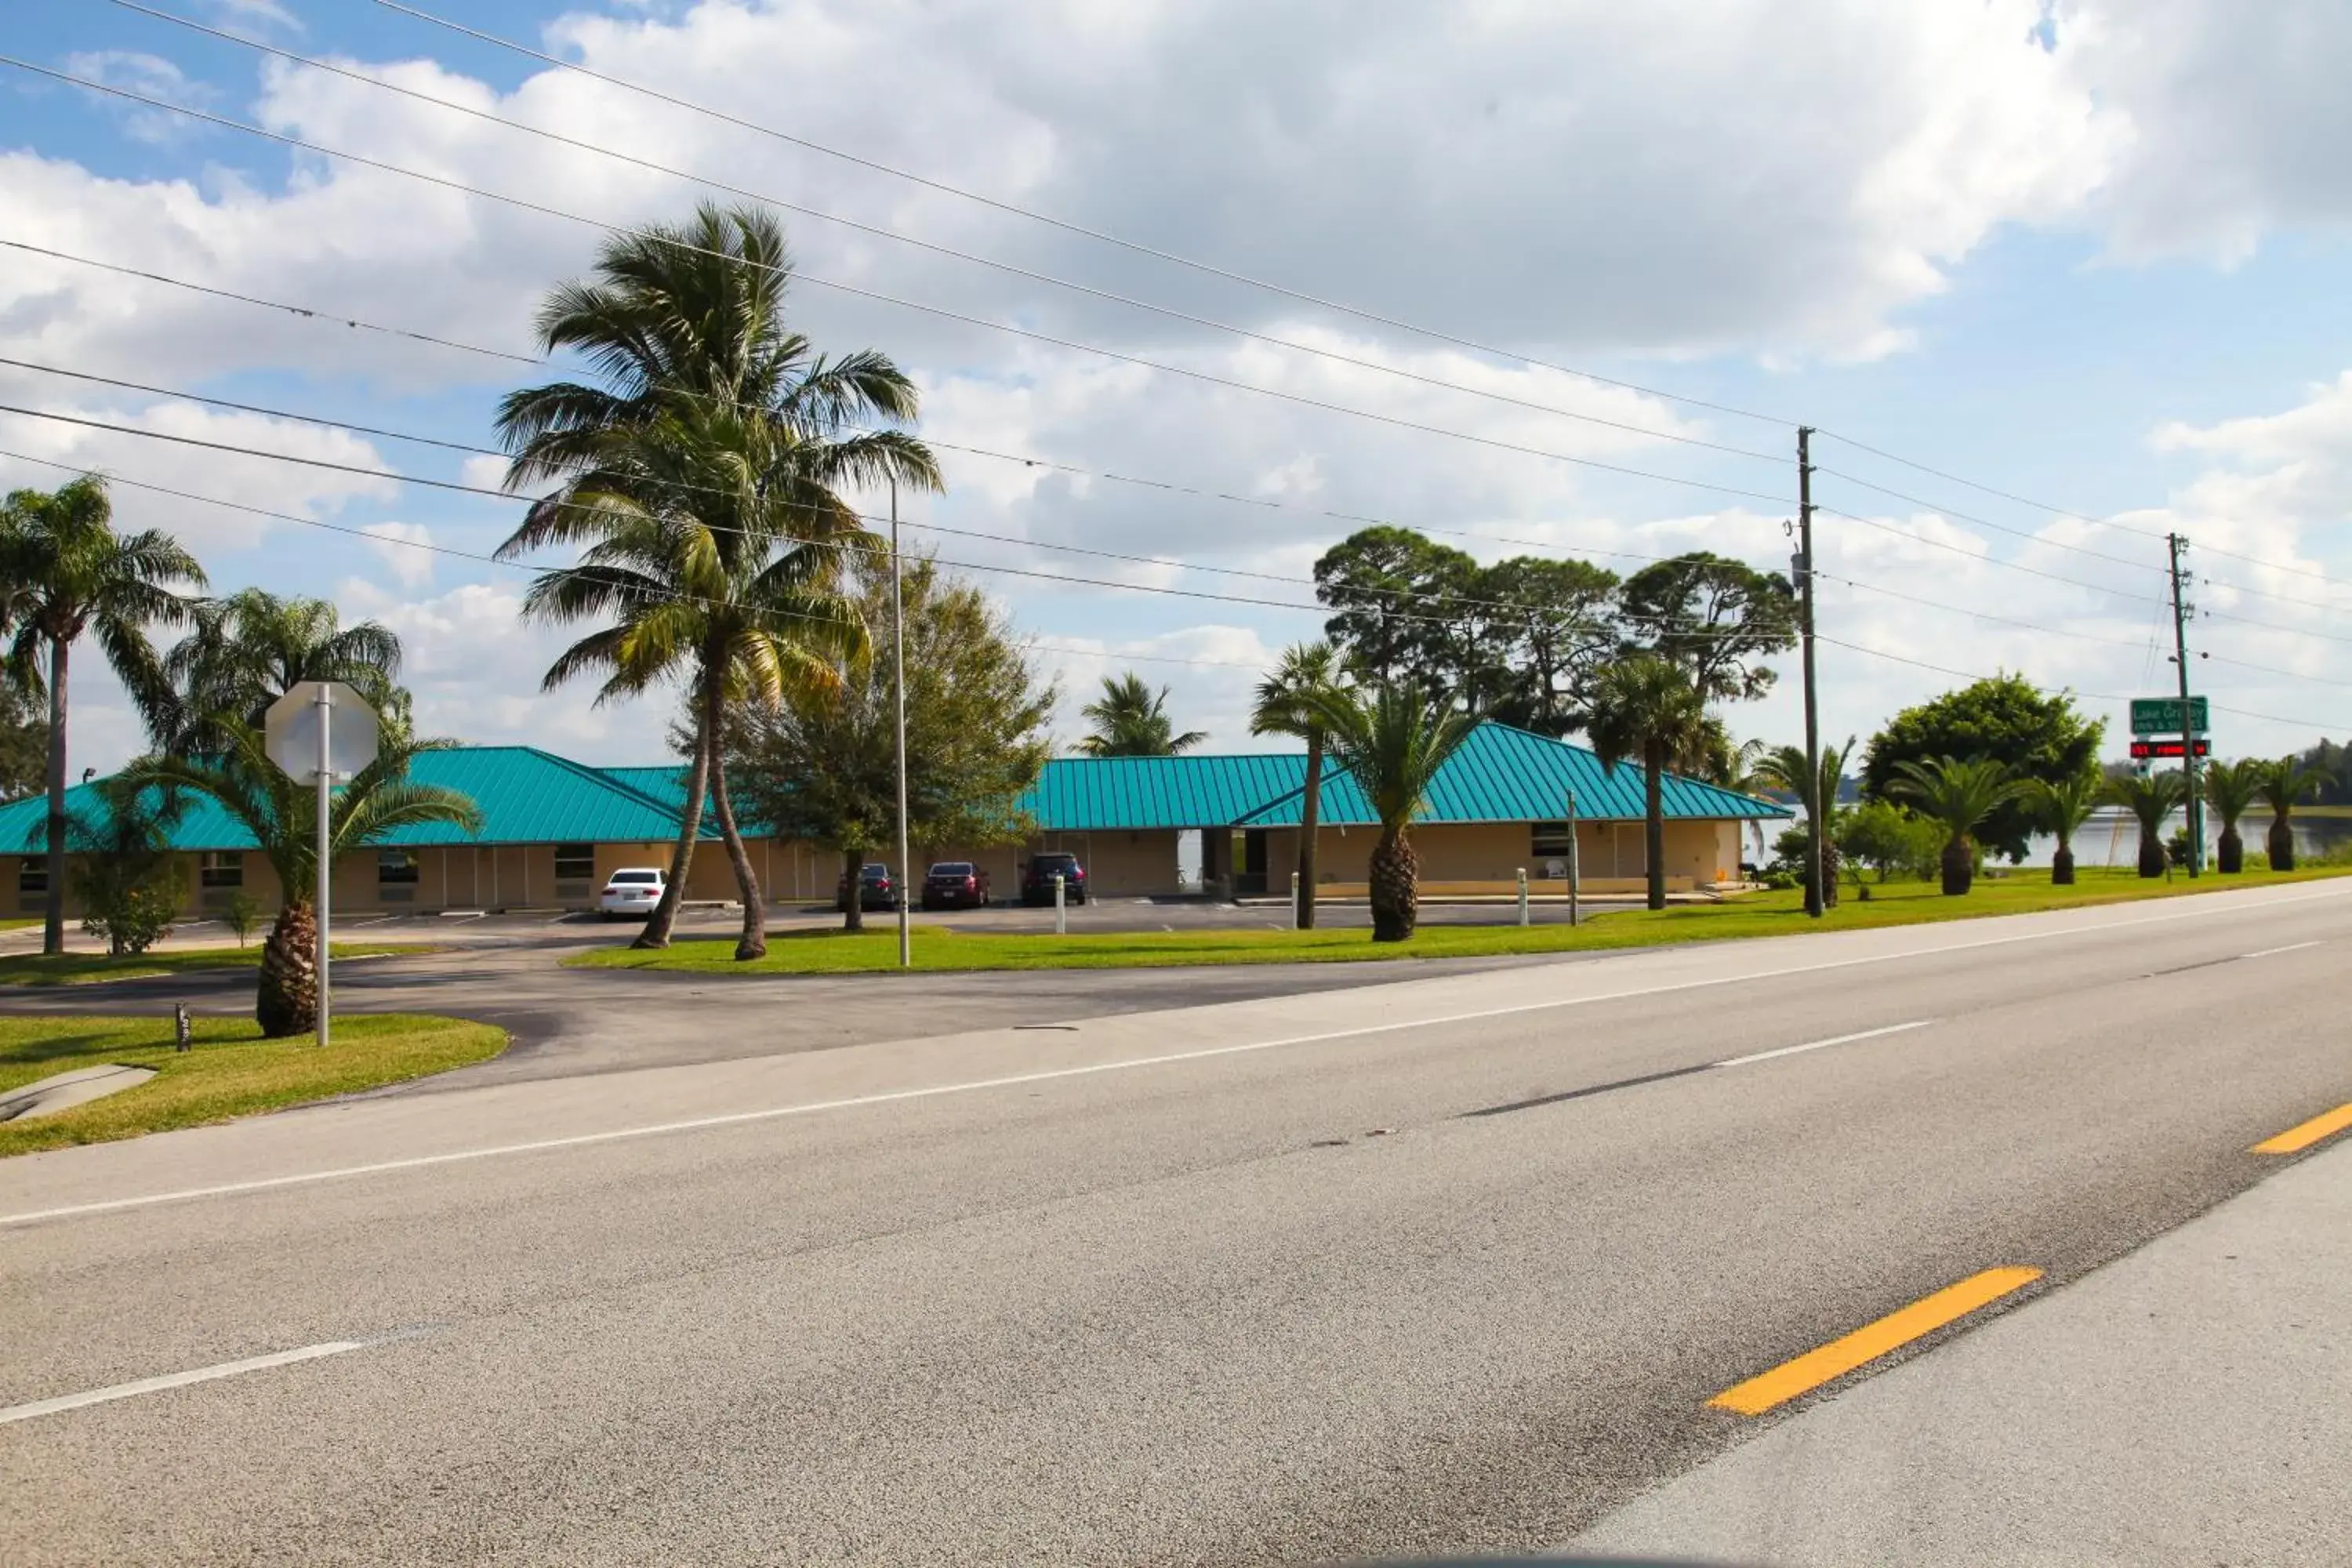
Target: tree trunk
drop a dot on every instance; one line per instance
(853, 917)
(53, 904)
(1653, 820)
(1396, 887)
(2151, 850)
(1959, 868)
(681, 859)
(2061, 867)
(2281, 844)
(753, 943)
(1310, 817)
(286, 1002)
(2229, 854)
(1832, 872)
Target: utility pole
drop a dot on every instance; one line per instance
(898, 697)
(2174, 546)
(1819, 809)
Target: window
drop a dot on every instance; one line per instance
(220, 868)
(1551, 840)
(575, 862)
(637, 879)
(396, 868)
(32, 875)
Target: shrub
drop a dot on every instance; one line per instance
(242, 912)
(131, 912)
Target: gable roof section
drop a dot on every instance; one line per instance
(1506, 774)
(1076, 795)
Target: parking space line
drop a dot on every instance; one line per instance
(2304, 1134)
(1865, 1345)
(177, 1379)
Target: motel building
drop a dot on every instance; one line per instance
(552, 831)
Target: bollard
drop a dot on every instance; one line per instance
(1523, 895)
(182, 1034)
(1061, 909)
(1296, 924)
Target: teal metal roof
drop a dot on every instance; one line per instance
(1506, 775)
(1076, 795)
(526, 797)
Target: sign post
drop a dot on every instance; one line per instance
(1571, 857)
(305, 742)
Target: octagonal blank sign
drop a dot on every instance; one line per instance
(291, 730)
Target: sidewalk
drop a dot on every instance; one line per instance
(2190, 1402)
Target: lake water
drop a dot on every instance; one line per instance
(2112, 839)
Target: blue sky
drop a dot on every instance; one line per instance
(2107, 275)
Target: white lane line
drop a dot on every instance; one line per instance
(1205, 1053)
(177, 1379)
(2290, 947)
(380, 920)
(1820, 1044)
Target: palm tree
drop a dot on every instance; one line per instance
(2063, 807)
(703, 478)
(2229, 790)
(69, 573)
(2150, 800)
(1131, 720)
(278, 812)
(2279, 785)
(1287, 701)
(1394, 739)
(1957, 795)
(1645, 706)
(245, 651)
(1783, 768)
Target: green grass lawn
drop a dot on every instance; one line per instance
(229, 1071)
(1758, 914)
(89, 968)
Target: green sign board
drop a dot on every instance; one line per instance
(2161, 716)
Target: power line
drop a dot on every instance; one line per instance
(1984, 560)
(1986, 523)
(1011, 268)
(941, 312)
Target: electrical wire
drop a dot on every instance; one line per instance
(941, 312)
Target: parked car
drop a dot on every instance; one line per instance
(955, 885)
(631, 890)
(876, 889)
(1037, 882)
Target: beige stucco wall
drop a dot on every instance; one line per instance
(1609, 854)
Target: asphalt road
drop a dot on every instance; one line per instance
(1445, 1265)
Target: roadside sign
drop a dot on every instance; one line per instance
(2161, 716)
(291, 730)
(2160, 751)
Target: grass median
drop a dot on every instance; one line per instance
(950, 949)
(229, 1071)
(93, 968)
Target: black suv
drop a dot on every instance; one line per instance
(1037, 881)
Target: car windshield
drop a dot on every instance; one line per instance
(876, 873)
(952, 869)
(647, 878)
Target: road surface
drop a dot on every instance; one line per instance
(1447, 1265)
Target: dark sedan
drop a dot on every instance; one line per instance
(875, 888)
(1037, 882)
(955, 885)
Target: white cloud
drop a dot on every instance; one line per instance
(404, 551)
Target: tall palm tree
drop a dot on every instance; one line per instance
(1394, 739)
(2229, 790)
(1645, 706)
(278, 812)
(2150, 800)
(245, 651)
(2063, 808)
(1957, 795)
(69, 573)
(1288, 703)
(701, 472)
(1783, 768)
(1131, 720)
(2279, 785)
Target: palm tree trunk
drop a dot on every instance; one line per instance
(53, 904)
(2229, 854)
(1959, 867)
(2280, 844)
(2151, 849)
(1653, 820)
(681, 859)
(852, 863)
(285, 1001)
(1310, 820)
(2061, 867)
(1395, 887)
(753, 943)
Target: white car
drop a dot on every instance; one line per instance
(632, 890)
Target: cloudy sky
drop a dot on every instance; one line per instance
(2092, 257)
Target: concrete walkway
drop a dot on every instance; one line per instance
(2183, 1404)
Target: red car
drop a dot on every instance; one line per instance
(955, 885)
